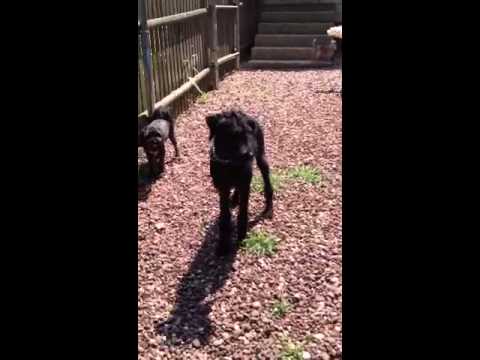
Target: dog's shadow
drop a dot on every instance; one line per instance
(145, 180)
(189, 319)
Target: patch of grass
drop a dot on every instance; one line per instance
(257, 183)
(260, 243)
(305, 173)
(302, 173)
(275, 178)
(203, 98)
(291, 351)
(280, 308)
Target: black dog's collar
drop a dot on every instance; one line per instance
(214, 157)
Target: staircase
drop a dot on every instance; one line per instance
(292, 33)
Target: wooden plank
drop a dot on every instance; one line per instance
(302, 2)
(166, 80)
(156, 62)
(168, 48)
(147, 55)
(185, 56)
(171, 19)
(182, 90)
(213, 45)
(236, 37)
(228, 57)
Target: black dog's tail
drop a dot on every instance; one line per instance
(164, 113)
(161, 113)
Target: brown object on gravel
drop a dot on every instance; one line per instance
(193, 305)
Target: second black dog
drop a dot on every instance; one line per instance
(235, 140)
(152, 137)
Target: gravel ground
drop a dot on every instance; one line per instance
(194, 306)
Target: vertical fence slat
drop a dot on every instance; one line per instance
(213, 43)
(237, 35)
(147, 55)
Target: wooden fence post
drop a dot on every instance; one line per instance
(213, 43)
(146, 56)
(236, 36)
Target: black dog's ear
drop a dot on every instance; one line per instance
(212, 122)
(143, 121)
(146, 131)
(252, 124)
(141, 137)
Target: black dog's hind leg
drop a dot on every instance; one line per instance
(173, 139)
(242, 222)
(267, 186)
(265, 170)
(224, 245)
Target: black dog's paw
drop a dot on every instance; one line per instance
(234, 201)
(157, 174)
(268, 213)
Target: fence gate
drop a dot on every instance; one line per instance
(182, 42)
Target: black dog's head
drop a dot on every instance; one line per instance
(150, 137)
(232, 135)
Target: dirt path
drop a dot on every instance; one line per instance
(192, 306)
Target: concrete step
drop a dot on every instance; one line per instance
(300, 2)
(282, 53)
(293, 8)
(285, 64)
(298, 16)
(289, 40)
(294, 28)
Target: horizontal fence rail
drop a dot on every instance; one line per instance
(227, 58)
(226, 6)
(171, 19)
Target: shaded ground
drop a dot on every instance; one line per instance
(193, 306)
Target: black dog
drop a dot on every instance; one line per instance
(152, 136)
(235, 140)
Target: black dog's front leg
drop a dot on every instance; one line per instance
(224, 245)
(244, 194)
(154, 172)
(157, 161)
(173, 139)
(235, 198)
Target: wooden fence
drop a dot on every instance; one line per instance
(185, 46)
